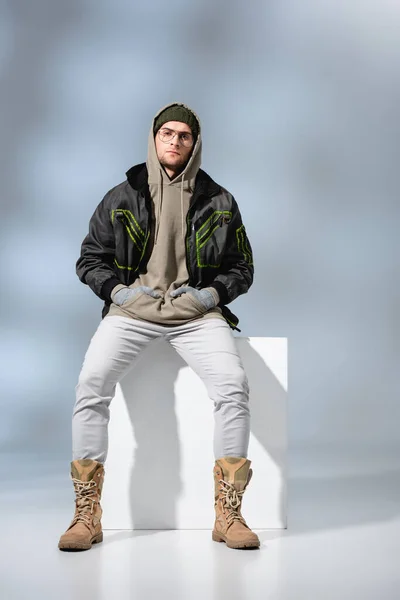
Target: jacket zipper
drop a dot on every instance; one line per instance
(188, 233)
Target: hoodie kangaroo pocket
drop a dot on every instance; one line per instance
(143, 306)
(200, 307)
(183, 308)
(132, 300)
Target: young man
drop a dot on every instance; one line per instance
(166, 252)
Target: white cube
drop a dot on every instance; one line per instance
(159, 469)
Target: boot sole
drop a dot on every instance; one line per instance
(217, 537)
(76, 546)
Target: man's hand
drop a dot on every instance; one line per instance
(206, 297)
(125, 294)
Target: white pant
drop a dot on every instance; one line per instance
(207, 346)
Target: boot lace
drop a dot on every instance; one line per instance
(231, 499)
(86, 498)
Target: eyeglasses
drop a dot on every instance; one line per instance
(166, 135)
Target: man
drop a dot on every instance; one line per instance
(166, 252)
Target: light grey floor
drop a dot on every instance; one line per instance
(342, 543)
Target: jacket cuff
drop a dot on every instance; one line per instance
(108, 287)
(222, 292)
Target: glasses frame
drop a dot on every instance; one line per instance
(176, 133)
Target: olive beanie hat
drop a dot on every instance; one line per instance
(177, 113)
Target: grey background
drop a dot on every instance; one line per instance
(299, 107)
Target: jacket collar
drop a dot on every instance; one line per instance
(137, 178)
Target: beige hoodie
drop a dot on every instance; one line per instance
(166, 269)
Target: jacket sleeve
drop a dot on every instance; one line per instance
(237, 270)
(95, 267)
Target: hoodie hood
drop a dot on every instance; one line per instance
(158, 178)
(167, 268)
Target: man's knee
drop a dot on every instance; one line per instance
(234, 382)
(94, 388)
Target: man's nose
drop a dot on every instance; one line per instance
(175, 140)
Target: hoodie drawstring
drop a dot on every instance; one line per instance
(160, 192)
(182, 205)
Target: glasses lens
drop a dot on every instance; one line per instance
(166, 135)
(186, 139)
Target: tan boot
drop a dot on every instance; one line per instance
(231, 477)
(85, 529)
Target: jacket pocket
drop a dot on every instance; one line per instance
(211, 239)
(130, 240)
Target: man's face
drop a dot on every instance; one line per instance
(173, 155)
